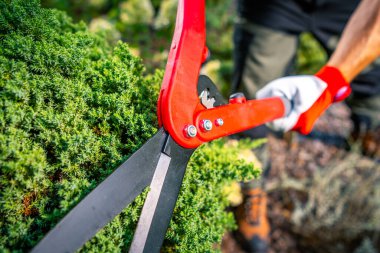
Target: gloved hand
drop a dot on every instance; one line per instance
(309, 97)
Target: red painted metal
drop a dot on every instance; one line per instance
(238, 100)
(239, 117)
(179, 105)
(178, 98)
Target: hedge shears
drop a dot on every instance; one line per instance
(191, 112)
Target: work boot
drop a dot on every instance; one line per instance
(369, 143)
(251, 215)
(366, 137)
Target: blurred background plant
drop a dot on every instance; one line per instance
(336, 209)
(147, 26)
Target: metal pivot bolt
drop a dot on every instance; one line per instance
(219, 122)
(206, 125)
(191, 131)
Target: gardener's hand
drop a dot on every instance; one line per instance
(309, 97)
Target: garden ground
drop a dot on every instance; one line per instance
(322, 198)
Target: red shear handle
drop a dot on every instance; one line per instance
(179, 109)
(240, 116)
(179, 100)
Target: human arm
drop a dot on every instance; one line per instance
(360, 41)
(310, 96)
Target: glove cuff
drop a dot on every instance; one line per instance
(337, 86)
(337, 89)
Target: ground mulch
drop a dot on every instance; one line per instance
(298, 158)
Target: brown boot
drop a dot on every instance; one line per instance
(367, 138)
(254, 228)
(371, 144)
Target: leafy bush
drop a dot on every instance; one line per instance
(310, 55)
(73, 109)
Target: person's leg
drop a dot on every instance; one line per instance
(328, 23)
(261, 55)
(252, 219)
(366, 119)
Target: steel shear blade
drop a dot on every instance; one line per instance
(160, 163)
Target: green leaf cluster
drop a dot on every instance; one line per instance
(72, 109)
(310, 55)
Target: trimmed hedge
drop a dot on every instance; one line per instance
(73, 109)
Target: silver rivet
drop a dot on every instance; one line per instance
(219, 122)
(191, 131)
(206, 124)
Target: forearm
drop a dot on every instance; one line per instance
(360, 41)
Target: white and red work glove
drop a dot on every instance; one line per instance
(309, 97)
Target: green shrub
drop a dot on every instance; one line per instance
(310, 55)
(73, 109)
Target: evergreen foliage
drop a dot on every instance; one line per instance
(73, 109)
